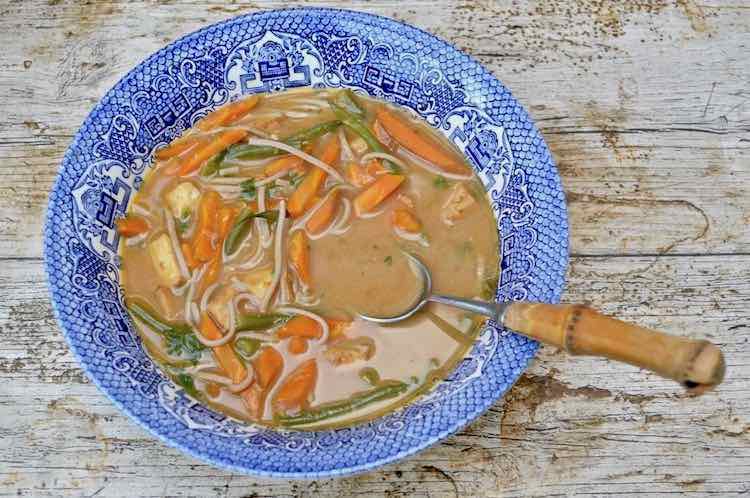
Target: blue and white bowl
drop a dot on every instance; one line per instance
(272, 51)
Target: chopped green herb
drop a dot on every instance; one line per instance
(440, 182)
(414, 379)
(370, 375)
(249, 192)
(388, 260)
(181, 341)
(295, 178)
(489, 287)
(185, 381)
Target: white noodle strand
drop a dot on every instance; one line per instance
(432, 168)
(278, 254)
(382, 155)
(297, 152)
(176, 245)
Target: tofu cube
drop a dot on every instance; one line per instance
(183, 199)
(459, 200)
(164, 261)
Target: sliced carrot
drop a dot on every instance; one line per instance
(227, 359)
(285, 163)
(376, 193)
(405, 220)
(255, 400)
(297, 388)
(299, 255)
(357, 175)
(324, 215)
(268, 366)
(300, 326)
(177, 147)
(337, 329)
(201, 153)
(226, 217)
(211, 275)
(131, 225)
(206, 231)
(375, 168)
(187, 252)
(405, 134)
(300, 200)
(297, 345)
(227, 113)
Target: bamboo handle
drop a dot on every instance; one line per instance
(696, 364)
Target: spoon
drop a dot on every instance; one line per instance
(580, 330)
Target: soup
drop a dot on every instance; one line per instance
(263, 231)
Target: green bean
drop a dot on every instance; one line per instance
(246, 347)
(242, 226)
(387, 390)
(358, 126)
(214, 164)
(346, 100)
(259, 321)
(298, 140)
(146, 315)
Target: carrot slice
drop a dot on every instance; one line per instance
(324, 215)
(268, 366)
(198, 155)
(227, 114)
(255, 400)
(226, 217)
(405, 134)
(375, 168)
(177, 147)
(225, 355)
(405, 220)
(300, 326)
(297, 345)
(131, 225)
(301, 198)
(205, 234)
(357, 175)
(376, 193)
(299, 255)
(337, 329)
(187, 251)
(211, 274)
(284, 163)
(297, 387)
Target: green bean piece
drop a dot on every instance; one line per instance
(259, 321)
(214, 164)
(246, 347)
(346, 100)
(242, 226)
(359, 127)
(298, 140)
(310, 134)
(387, 390)
(147, 315)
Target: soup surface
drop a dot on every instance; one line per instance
(262, 231)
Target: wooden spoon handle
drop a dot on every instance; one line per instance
(696, 364)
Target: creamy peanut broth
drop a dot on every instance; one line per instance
(261, 232)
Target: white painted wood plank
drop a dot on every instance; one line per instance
(571, 425)
(645, 109)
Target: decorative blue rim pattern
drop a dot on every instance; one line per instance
(271, 51)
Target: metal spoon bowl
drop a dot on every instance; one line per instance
(490, 309)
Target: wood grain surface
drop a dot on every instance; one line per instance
(646, 107)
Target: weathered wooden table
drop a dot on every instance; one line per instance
(646, 107)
